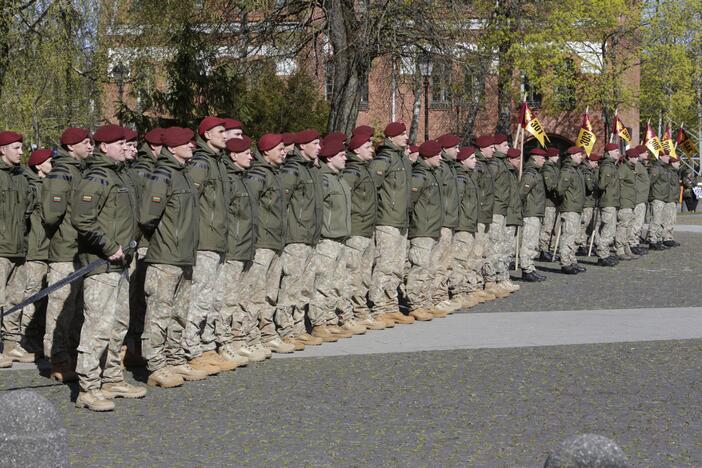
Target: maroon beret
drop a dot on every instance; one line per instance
(288, 139)
(363, 130)
(632, 152)
(513, 153)
(330, 148)
(611, 147)
(414, 149)
(499, 138)
(129, 134)
(239, 145)
(306, 136)
(154, 136)
(429, 149)
(208, 123)
(108, 134)
(231, 124)
(269, 141)
(641, 149)
(341, 136)
(448, 140)
(357, 141)
(594, 157)
(484, 141)
(177, 136)
(465, 152)
(552, 151)
(74, 135)
(538, 152)
(574, 150)
(39, 156)
(10, 137)
(394, 129)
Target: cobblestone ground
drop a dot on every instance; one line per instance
(490, 407)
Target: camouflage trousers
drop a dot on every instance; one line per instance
(202, 329)
(655, 231)
(330, 303)
(388, 270)
(237, 322)
(422, 273)
(625, 220)
(465, 276)
(547, 238)
(296, 288)
(569, 233)
(360, 252)
(63, 310)
(637, 224)
(529, 248)
(498, 238)
(106, 319)
(13, 277)
(484, 251)
(510, 245)
(137, 296)
(441, 261)
(167, 289)
(264, 278)
(585, 227)
(669, 213)
(607, 231)
(34, 315)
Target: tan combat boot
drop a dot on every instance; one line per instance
(297, 344)
(276, 345)
(94, 400)
(18, 354)
(509, 286)
(122, 390)
(337, 331)
(389, 322)
(423, 315)
(212, 357)
(166, 378)
(448, 306)
(63, 371)
(372, 324)
(467, 301)
(400, 318)
(251, 353)
(189, 373)
(483, 296)
(5, 362)
(495, 290)
(232, 359)
(309, 340)
(354, 327)
(201, 363)
(320, 331)
(260, 348)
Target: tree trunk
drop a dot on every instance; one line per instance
(472, 109)
(416, 110)
(504, 90)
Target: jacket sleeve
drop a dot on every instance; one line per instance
(550, 180)
(378, 169)
(87, 203)
(199, 170)
(154, 199)
(527, 183)
(55, 199)
(416, 187)
(564, 181)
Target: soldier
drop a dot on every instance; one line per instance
(515, 209)
(364, 213)
(264, 276)
(658, 197)
(232, 129)
(571, 192)
(168, 216)
(689, 182)
(532, 191)
(57, 214)
(589, 170)
(203, 331)
(130, 148)
(15, 207)
(627, 202)
(240, 325)
(550, 173)
(671, 203)
(302, 186)
(289, 142)
(427, 214)
(392, 177)
(413, 153)
(643, 185)
(105, 217)
(609, 191)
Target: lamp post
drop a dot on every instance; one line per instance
(119, 73)
(425, 68)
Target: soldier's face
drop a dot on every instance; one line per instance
(451, 153)
(243, 160)
(470, 162)
(115, 150)
(276, 155)
(664, 157)
(675, 164)
(400, 140)
(365, 151)
(538, 160)
(488, 151)
(44, 168)
(288, 149)
(130, 150)
(12, 153)
(233, 133)
(83, 149)
(434, 161)
(311, 150)
(502, 147)
(413, 156)
(577, 158)
(593, 164)
(156, 149)
(615, 154)
(515, 162)
(337, 162)
(215, 137)
(182, 152)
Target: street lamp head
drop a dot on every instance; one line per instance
(425, 64)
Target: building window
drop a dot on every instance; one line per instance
(533, 96)
(441, 86)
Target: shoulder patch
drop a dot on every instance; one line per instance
(97, 178)
(59, 176)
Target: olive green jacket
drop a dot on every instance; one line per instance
(500, 174)
(37, 242)
(551, 172)
(449, 189)
(658, 177)
(674, 184)
(468, 198)
(532, 191)
(590, 178)
(427, 215)
(364, 197)
(169, 213)
(486, 189)
(571, 188)
(302, 185)
(643, 182)
(608, 183)
(515, 208)
(241, 244)
(336, 202)
(140, 170)
(209, 175)
(15, 208)
(104, 213)
(56, 209)
(263, 179)
(392, 175)
(627, 184)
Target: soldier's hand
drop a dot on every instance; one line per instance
(117, 255)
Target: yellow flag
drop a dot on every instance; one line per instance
(586, 138)
(621, 130)
(532, 125)
(668, 144)
(652, 142)
(686, 144)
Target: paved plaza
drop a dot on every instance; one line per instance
(614, 351)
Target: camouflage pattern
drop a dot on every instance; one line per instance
(388, 272)
(35, 281)
(106, 321)
(497, 238)
(137, 296)
(422, 271)
(570, 221)
(547, 238)
(360, 252)
(669, 213)
(625, 220)
(509, 245)
(464, 276)
(63, 306)
(12, 280)
(484, 252)
(231, 308)
(637, 223)
(167, 289)
(200, 333)
(442, 254)
(585, 228)
(330, 285)
(296, 288)
(264, 278)
(529, 248)
(607, 230)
